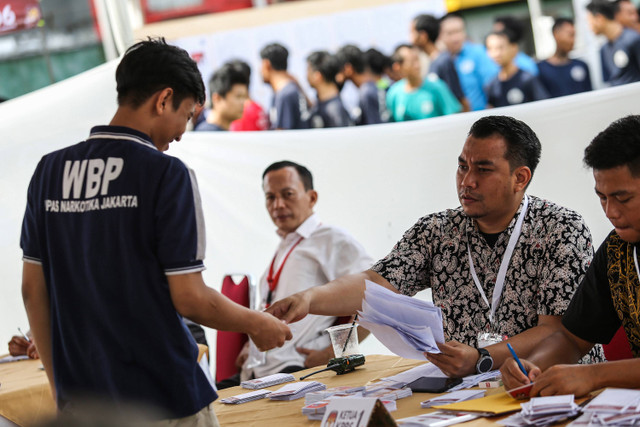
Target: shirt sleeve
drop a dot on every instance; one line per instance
(288, 111)
(408, 264)
(449, 74)
(568, 253)
(30, 236)
(346, 256)
(591, 315)
(370, 107)
(179, 221)
(538, 90)
(448, 102)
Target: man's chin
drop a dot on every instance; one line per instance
(628, 235)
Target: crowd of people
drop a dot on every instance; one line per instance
(506, 267)
(440, 72)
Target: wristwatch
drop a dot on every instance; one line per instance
(485, 362)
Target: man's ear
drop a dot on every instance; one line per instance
(313, 195)
(522, 176)
(164, 100)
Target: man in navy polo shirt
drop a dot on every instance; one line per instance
(560, 74)
(620, 55)
(113, 243)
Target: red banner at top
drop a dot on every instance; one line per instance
(16, 15)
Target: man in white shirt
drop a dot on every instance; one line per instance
(311, 253)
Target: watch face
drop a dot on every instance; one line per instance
(485, 364)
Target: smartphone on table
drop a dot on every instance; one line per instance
(433, 384)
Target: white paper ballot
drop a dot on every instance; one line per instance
(406, 326)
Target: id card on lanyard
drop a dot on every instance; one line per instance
(491, 337)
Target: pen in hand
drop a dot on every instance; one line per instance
(23, 334)
(515, 356)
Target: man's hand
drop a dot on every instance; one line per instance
(270, 332)
(242, 356)
(316, 357)
(565, 379)
(457, 360)
(18, 346)
(513, 377)
(292, 308)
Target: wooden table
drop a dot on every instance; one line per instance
(25, 395)
(282, 414)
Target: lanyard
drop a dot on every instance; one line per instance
(273, 280)
(504, 265)
(635, 260)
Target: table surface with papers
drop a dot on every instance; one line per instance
(266, 412)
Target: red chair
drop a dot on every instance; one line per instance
(619, 347)
(229, 344)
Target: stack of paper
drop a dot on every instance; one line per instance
(268, 381)
(452, 397)
(387, 393)
(316, 396)
(246, 397)
(612, 407)
(542, 411)
(474, 380)
(436, 419)
(316, 410)
(407, 326)
(431, 370)
(296, 390)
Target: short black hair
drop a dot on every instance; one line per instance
(429, 25)
(242, 66)
(396, 57)
(325, 63)
(512, 25)
(376, 61)
(303, 173)
(225, 77)
(152, 65)
(559, 22)
(351, 54)
(453, 15)
(617, 145)
(523, 145)
(502, 33)
(603, 7)
(277, 55)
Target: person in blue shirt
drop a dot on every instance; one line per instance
(413, 97)
(354, 68)
(475, 68)
(113, 248)
(229, 88)
(289, 109)
(512, 85)
(515, 28)
(424, 32)
(559, 74)
(620, 55)
(328, 111)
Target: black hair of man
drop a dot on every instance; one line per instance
(153, 65)
(452, 15)
(351, 54)
(523, 145)
(396, 57)
(225, 77)
(513, 25)
(303, 173)
(427, 24)
(511, 38)
(325, 63)
(242, 66)
(376, 61)
(277, 55)
(603, 7)
(617, 145)
(559, 22)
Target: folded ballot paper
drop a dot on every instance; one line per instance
(612, 407)
(452, 397)
(268, 381)
(406, 326)
(543, 411)
(296, 390)
(246, 397)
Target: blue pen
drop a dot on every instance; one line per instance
(515, 356)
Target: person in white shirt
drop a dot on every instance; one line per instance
(311, 253)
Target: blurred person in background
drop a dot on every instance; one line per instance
(328, 111)
(559, 74)
(627, 14)
(229, 88)
(253, 115)
(516, 29)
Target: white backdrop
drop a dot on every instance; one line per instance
(374, 181)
